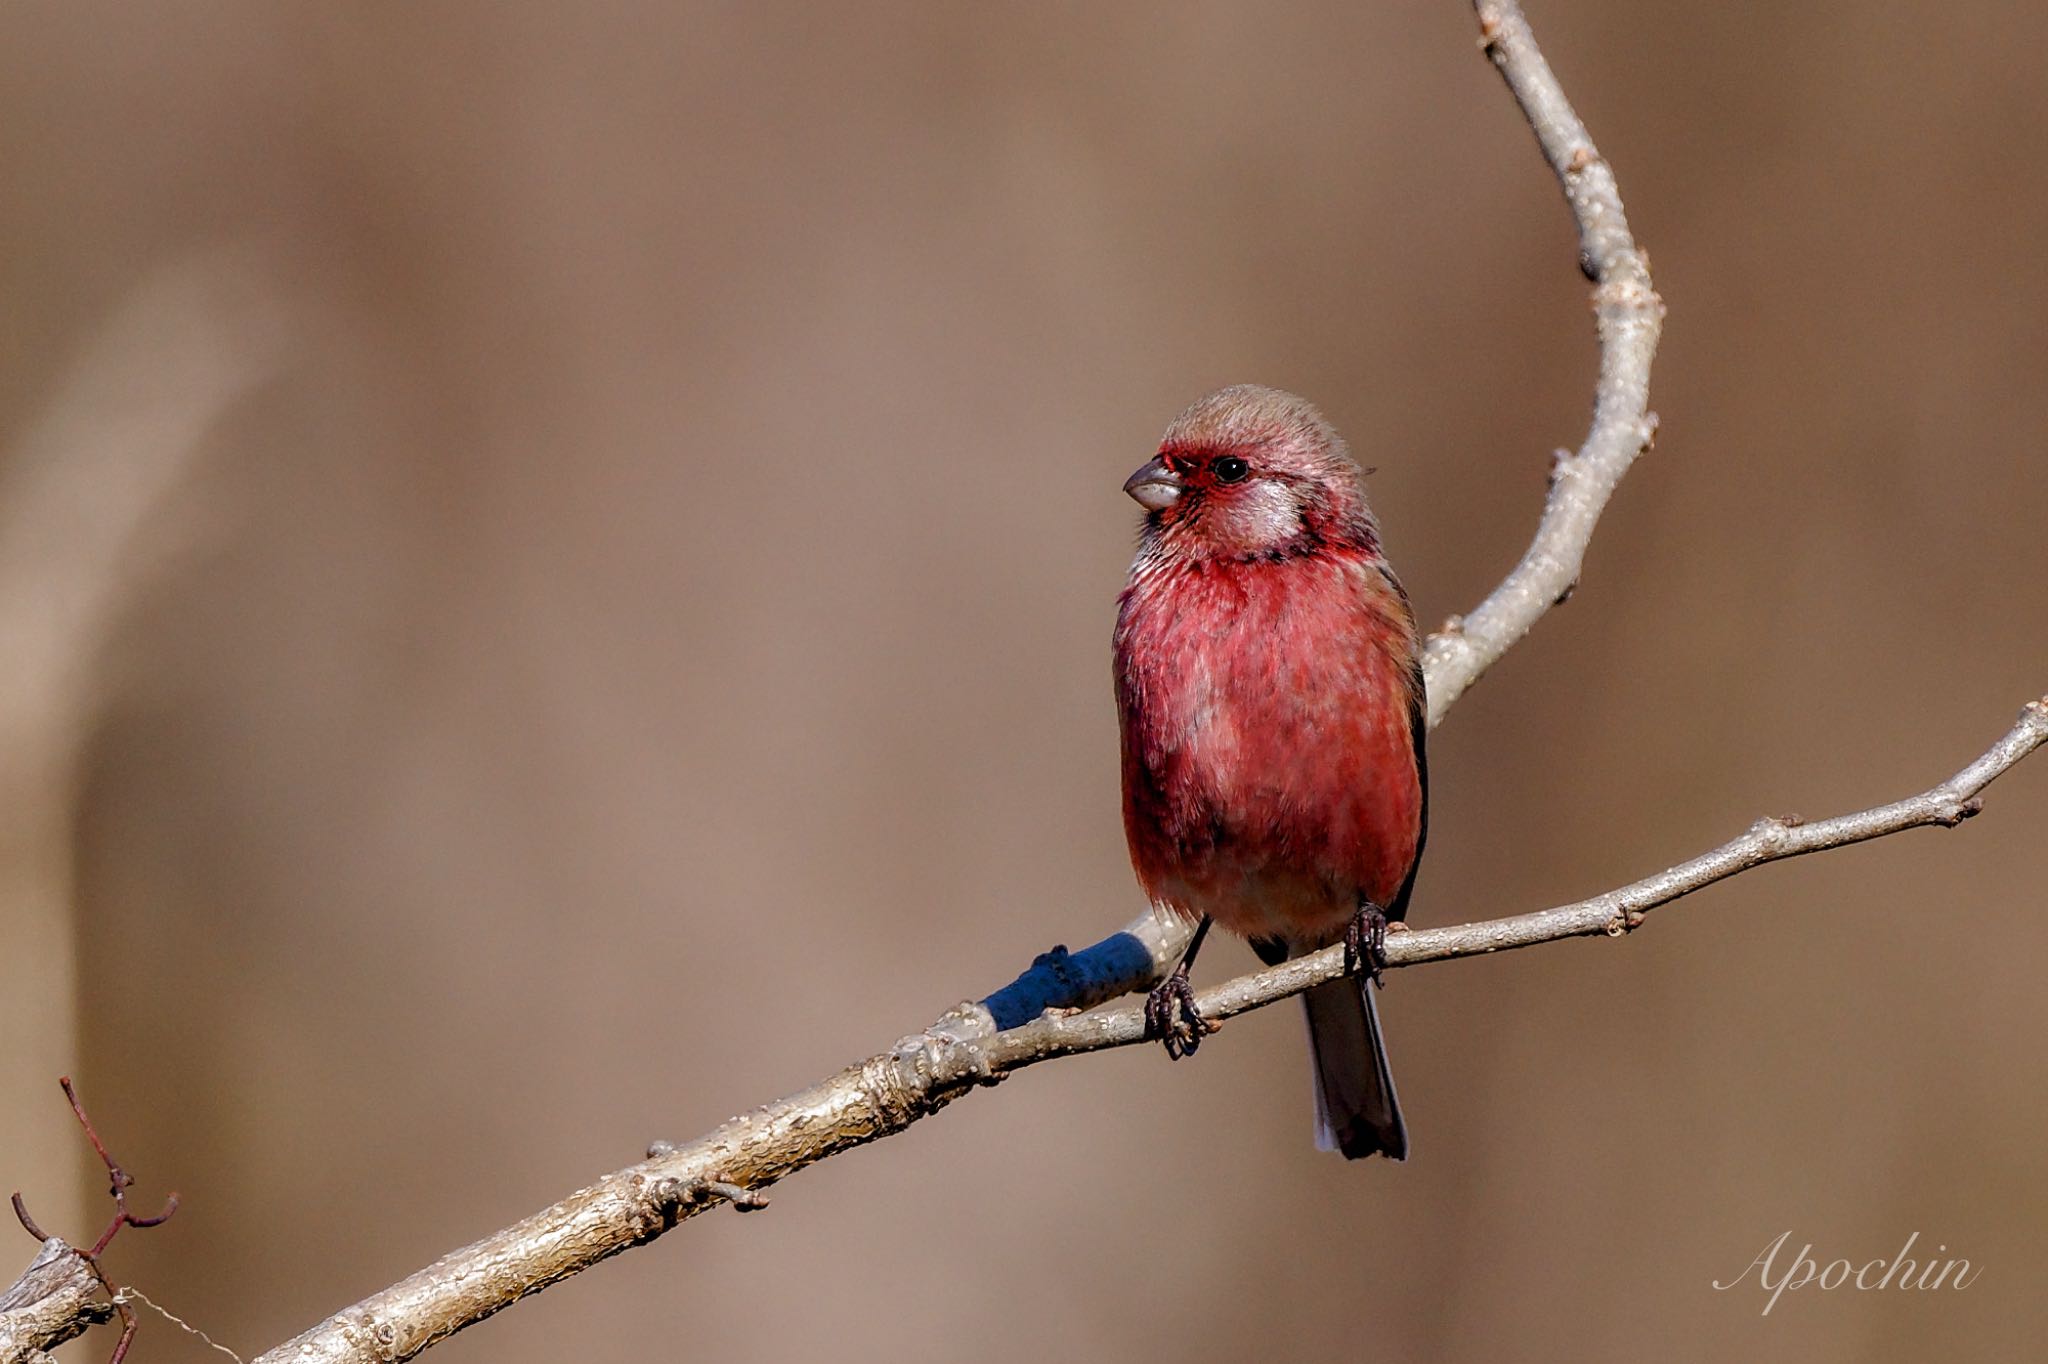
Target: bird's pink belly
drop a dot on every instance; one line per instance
(1277, 825)
(1256, 901)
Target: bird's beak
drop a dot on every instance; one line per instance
(1154, 487)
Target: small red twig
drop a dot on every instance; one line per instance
(118, 1181)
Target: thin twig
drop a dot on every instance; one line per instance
(131, 1293)
(1629, 316)
(118, 1181)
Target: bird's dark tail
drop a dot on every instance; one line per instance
(1357, 1111)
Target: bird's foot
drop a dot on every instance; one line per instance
(1365, 942)
(1172, 1018)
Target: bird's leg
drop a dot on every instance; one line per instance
(1365, 941)
(1170, 1012)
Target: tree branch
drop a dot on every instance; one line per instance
(57, 1297)
(921, 1074)
(1629, 317)
(975, 1041)
(1037, 1017)
(64, 1290)
(926, 1071)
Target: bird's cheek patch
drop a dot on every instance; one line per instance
(1258, 516)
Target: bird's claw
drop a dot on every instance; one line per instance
(1365, 942)
(1172, 1018)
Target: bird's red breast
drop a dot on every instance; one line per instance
(1268, 706)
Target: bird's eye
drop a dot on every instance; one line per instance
(1230, 469)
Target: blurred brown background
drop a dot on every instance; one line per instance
(627, 633)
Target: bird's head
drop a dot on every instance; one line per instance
(1251, 473)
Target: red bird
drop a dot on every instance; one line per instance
(1269, 688)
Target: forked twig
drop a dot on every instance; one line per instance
(118, 1183)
